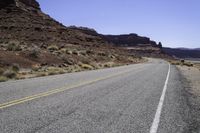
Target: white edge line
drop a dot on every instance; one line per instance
(156, 120)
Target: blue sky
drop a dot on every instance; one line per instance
(176, 23)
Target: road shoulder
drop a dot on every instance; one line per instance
(191, 85)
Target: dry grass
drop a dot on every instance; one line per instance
(197, 65)
(14, 46)
(53, 48)
(41, 74)
(1, 71)
(55, 72)
(181, 62)
(3, 79)
(10, 74)
(86, 66)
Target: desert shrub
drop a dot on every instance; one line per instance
(36, 68)
(68, 61)
(41, 74)
(52, 73)
(102, 54)
(188, 64)
(1, 41)
(83, 53)
(86, 66)
(52, 48)
(89, 52)
(85, 61)
(61, 72)
(9, 74)
(55, 70)
(175, 62)
(34, 53)
(13, 46)
(63, 50)
(15, 67)
(1, 71)
(109, 64)
(111, 56)
(68, 52)
(75, 52)
(3, 79)
(182, 61)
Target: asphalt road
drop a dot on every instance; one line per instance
(124, 99)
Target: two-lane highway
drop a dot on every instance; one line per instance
(141, 98)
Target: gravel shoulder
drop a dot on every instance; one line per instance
(191, 84)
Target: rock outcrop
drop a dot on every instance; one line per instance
(128, 40)
(20, 3)
(29, 3)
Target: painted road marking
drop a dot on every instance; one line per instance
(55, 91)
(156, 120)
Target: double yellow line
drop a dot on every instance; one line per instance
(55, 91)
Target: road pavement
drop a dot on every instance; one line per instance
(124, 99)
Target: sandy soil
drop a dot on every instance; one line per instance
(191, 84)
(192, 74)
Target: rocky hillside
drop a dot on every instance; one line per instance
(32, 43)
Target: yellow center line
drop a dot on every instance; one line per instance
(55, 91)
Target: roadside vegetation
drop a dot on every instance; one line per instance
(27, 62)
(181, 63)
(9, 73)
(185, 63)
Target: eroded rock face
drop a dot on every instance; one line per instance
(5, 3)
(19, 3)
(31, 3)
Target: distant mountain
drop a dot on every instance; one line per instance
(128, 40)
(182, 48)
(183, 52)
(197, 49)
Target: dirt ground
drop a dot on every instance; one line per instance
(191, 84)
(192, 74)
